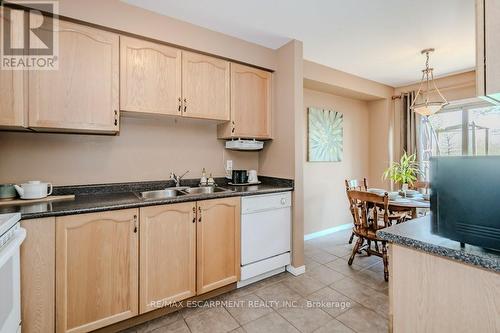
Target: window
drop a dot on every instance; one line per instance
(466, 130)
(471, 128)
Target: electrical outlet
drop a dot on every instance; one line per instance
(229, 169)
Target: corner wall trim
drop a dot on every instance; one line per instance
(327, 231)
(296, 270)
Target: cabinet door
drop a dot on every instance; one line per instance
(150, 77)
(218, 243)
(167, 255)
(82, 95)
(205, 87)
(12, 91)
(38, 275)
(492, 47)
(96, 269)
(250, 104)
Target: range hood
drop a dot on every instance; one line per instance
(240, 144)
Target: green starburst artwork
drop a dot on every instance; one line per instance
(325, 135)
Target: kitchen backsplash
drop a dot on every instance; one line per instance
(145, 149)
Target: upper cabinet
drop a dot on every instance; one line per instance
(251, 100)
(155, 78)
(13, 111)
(150, 77)
(205, 87)
(100, 73)
(13, 103)
(82, 95)
(488, 48)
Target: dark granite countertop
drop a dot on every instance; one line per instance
(417, 234)
(98, 198)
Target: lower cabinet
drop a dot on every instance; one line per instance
(167, 255)
(38, 276)
(96, 269)
(218, 243)
(84, 272)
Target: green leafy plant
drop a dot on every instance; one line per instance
(405, 171)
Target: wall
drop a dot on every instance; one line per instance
(324, 191)
(380, 146)
(376, 140)
(322, 78)
(146, 149)
(282, 157)
(379, 98)
(122, 16)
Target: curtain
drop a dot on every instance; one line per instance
(416, 134)
(410, 126)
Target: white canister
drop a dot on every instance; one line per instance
(252, 176)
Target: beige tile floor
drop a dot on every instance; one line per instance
(330, 297)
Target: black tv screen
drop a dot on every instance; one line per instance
(465, 199)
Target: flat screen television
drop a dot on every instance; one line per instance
(465, 199)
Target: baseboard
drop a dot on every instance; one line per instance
(296, 270)
(327, 231)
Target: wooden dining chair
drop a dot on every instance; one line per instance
(425, 186)
(371, 213)
(354, 184)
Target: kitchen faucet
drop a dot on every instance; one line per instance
(177, 179)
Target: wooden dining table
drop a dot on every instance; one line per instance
(405, 204)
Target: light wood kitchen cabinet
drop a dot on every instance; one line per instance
(82, 94)
(488, 48)
(205, 87)
(13, 95)
(167, 254)
(96, 269)
(150, 77)
(251, 104)
(38, 276)
(159, 79)
(218, 243)
(13, 111)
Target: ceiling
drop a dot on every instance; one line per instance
(375, 39)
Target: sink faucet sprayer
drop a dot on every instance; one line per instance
(177, 179)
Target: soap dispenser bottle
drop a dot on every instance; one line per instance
(203, 179)
(211, 181)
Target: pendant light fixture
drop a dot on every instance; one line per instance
(423, 104)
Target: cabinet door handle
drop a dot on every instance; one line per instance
(185, 105)
(194, 214)
(180, 105)
(116, 118)
(232, 129)
(135, 224)
(199, 214)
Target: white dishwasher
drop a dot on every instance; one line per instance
(265, 235)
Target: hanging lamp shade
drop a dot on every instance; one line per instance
(423, 104)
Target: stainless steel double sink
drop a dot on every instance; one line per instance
(173, 192)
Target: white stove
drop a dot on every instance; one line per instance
(11, 237)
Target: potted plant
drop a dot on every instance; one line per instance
(404, 172)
